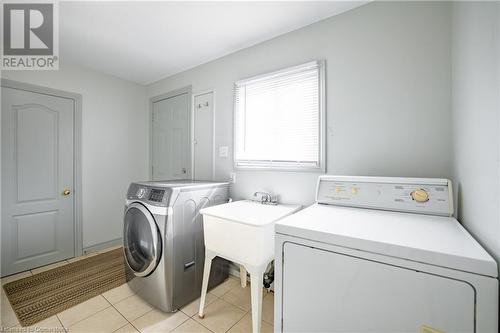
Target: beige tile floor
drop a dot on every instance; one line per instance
(227, 309)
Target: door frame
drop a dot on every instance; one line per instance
(193, 108)
(77, 148)
(173, 93)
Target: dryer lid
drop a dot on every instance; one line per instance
(434, 240)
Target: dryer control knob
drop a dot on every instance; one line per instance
(420, 195)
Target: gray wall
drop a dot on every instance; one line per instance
(114, 142)
(475, 117)
(391, 86)
(388, 94)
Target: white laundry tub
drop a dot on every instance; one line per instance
(243, 232)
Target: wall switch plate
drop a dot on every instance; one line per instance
(232, 177)
(223, 151)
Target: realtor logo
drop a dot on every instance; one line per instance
(30, 38)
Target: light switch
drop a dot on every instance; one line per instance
(223, 151)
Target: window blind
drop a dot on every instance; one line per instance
(278, 119)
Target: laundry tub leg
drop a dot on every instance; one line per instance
(209, 256)
(256, 276)
(243, 276)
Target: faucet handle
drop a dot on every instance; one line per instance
(266, 198)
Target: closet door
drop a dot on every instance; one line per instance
(170, 138)
(204, 136)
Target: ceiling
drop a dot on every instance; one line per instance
(147, 41)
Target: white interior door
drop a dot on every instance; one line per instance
(170, 138)
(203, 136)
(37, 180)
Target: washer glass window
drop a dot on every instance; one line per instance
(141, 240)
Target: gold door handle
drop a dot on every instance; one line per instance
(66, 192)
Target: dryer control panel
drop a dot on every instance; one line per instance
(431, 196)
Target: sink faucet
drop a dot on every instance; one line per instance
(266, 198)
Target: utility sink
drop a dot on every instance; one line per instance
(243, 232)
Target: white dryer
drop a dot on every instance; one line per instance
(382, 255)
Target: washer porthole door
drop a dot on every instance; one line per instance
(141, 239)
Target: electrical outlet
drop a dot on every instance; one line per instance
(223, 151)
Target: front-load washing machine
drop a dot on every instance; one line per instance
(163, 240)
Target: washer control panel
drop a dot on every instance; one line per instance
(141, 192)
(148, 194)
(156, 195)
(415, 195)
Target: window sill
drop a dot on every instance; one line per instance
(280, 168)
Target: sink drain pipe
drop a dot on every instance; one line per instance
(269, 276)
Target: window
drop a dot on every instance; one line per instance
(279, 119)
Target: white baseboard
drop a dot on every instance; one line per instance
(101, 246)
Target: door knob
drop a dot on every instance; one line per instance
(184, 170)
(66, 192)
